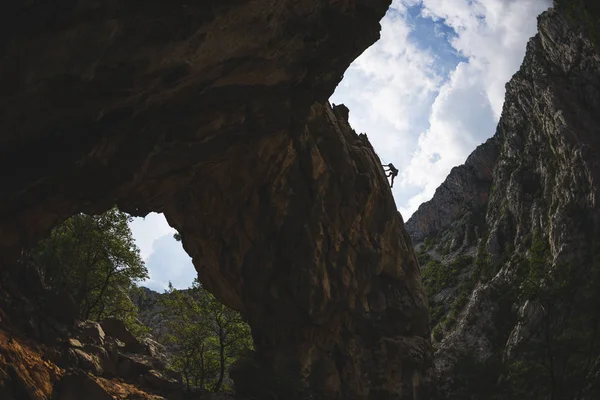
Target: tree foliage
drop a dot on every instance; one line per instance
(438, 276)
(208, 336)
(94, 257)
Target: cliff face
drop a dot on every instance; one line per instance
(214, 113)
(513, 303)
(462, 197)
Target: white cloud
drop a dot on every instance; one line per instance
(164, 257)
(492, 34)
(420, 116)
(169, 262)
(459, 116)
(390, 87)
(147, 230)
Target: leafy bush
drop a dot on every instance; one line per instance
(437, 276)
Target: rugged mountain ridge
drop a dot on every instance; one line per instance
(511, 302)
(463, 195)
(215, 113)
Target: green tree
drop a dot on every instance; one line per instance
(188, 333)
(94, 257)
(208, 336)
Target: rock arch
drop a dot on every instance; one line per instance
(215, 114)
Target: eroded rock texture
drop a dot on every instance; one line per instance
(514, 305)
(462, 197)
(215, 113)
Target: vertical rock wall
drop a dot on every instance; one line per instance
(531, 261)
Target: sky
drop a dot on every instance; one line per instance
(164, 257)
(426, 94)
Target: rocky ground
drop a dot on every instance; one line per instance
(47, 353)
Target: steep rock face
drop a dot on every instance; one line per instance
(361, 274)
(214, 114)
(463, 195)
(514, 310)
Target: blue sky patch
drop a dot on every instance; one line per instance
(434, 36)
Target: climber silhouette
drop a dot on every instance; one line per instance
(393, 172)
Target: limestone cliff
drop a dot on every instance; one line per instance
(462, 197)
(514, 290)
(215, 113)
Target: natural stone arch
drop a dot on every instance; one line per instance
(215, 114)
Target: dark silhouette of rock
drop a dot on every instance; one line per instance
(115, 328)
(86, 361)
(90, 332)
(215, 113)
(61, 306)
(160, 381)
(79, 385)
(132, 366)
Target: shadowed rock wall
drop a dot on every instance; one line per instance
(214, 113)
(535, 202)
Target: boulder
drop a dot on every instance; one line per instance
(159, 381)
(50, 332)
(131, 366)
(108, 363)
(116, 328)
(114, 348)
(173, 374)
(90, 332)
(87, 362)
(15, 386)
(154, 349)
(79, 385)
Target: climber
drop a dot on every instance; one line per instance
(393, 172)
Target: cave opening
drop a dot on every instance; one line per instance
(204, 337)
(111, 279)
